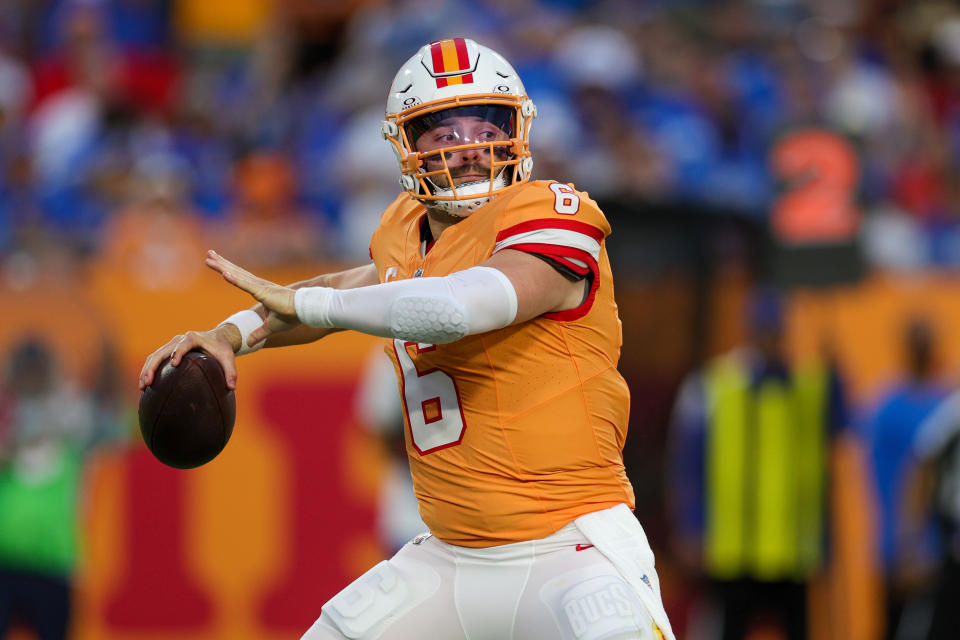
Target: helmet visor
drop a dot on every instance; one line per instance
(475, 124)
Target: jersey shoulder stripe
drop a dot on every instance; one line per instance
(556, 233)
(553, 223)
(534, 222)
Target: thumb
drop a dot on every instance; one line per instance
(258, 334)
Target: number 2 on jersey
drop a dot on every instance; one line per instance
(431, 402)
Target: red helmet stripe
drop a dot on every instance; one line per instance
(436, 52)
(462, 58)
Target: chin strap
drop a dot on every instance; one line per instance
(427, 310)
(479, 188)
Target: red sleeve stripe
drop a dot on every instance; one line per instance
(553, 223)
(554, 239)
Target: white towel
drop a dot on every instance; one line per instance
(617, 534)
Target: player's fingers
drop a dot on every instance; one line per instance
(258, 334)
(146, 372)
(189, 341)
(153, 361)
(230, 270)
(244, 283)
(242, 279)
(217, 262)
(228, 362)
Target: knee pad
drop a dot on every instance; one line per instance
(604, 608)
(380, 592)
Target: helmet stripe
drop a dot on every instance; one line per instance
(437, 55)
(450, 56)
(463, 59)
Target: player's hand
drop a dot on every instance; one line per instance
(276, 298)
(221, 343)
(274, 323)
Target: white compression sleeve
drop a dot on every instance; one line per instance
(429, 310)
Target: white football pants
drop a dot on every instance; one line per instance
(592, 580)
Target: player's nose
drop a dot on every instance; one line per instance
(467, 156)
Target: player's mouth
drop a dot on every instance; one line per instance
(470, 174)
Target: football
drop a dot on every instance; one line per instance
(187, 414)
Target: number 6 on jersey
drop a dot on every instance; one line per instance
(431, 402)
(568, 202)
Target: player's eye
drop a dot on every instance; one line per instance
(443, 135)
(493, 131)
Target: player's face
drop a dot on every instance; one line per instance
(467, 165)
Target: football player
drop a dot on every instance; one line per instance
(497, 296)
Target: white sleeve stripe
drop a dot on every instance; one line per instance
(938, 428)
(559, 237)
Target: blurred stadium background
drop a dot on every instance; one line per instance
(812, 144)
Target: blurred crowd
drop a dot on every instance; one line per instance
(140, 132)
(255, 122)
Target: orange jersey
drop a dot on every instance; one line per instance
(514, 433)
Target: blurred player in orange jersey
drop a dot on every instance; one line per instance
(497, 294)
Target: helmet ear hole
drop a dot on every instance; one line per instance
(389, 129)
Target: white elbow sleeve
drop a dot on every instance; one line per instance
(428, 310)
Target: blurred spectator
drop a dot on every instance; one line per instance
(933, 490)
(889, 433)
(265, 226)
(600, 68)
(220, 23)
(88, 90)
(154, 239)
(751, 437)
(671, 102)
(367, 170)
(47, 427)
(381, 413)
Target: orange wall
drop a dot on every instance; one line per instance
(250, 545)
(864, 325)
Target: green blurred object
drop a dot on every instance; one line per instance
(38, 505)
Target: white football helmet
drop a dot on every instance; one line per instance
(458, 78)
